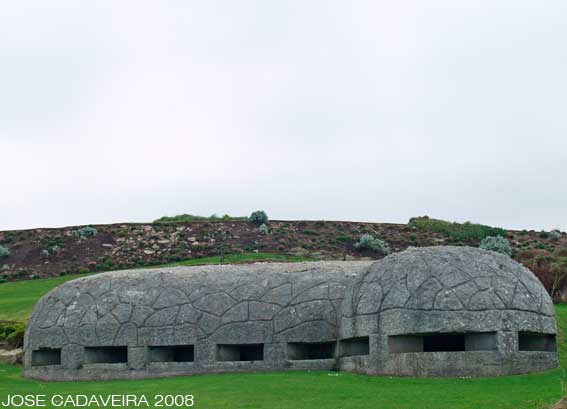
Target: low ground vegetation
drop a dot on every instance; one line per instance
(551, 269)
(84, 232)
(465, 232)
(496, 243)
(191, 218)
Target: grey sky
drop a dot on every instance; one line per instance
(116, 111)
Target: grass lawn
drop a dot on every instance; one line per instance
(302, 390)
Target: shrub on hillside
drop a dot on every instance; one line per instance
(555, 234)
(263, 229)
(259, 217)
(85, 232)
(367, 241)
(4, 252)
(12, 333)
(461, 231)
(496, 243)
(549, 269)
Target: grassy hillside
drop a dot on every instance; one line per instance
(42, 253)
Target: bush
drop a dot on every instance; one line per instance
(367, 241)
(461, 231)
(259, 217)
(85, 232)
(555, 234)
(496, 243)
(263, 229)
(12, 333)
(4, 252)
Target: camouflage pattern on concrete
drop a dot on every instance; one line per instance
(431, 311)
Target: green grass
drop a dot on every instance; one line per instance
(461, 231)
(304, 390)
(239, 258)
(18, 298)
(318, 390)
(321, 390)
(191, 218)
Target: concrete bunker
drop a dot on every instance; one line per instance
(449, 311)
(443, 311)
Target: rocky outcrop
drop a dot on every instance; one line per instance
(12, 356)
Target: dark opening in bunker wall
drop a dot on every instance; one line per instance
(442, 342)
(354, 347)
(530, 341)
(240, 352)
(310, 350)
(46, 356)
(175, 353)
(106, 355)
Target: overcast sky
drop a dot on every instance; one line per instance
(114, 111)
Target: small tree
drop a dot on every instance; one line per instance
(259, 217)
(496, 243)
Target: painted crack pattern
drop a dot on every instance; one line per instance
(446, 279)
(271, 303)
(174, 306)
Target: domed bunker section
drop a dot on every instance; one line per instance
(447, 311)
(188, 320)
